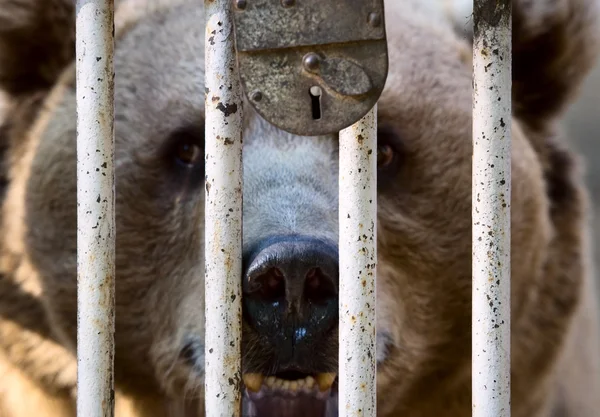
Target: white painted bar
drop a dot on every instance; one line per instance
(95, 208)
(492, 57)
(223, 215)
(358, 260)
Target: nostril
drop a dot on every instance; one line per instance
(269, 285)
(318, 287)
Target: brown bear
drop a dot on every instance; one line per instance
(290, 213)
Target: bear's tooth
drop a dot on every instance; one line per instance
(325, 380)
(253, 381)
(270, 381)
(294, 386)
(309, 382)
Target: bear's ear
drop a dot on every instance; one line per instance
(555, 44)
(37, 41)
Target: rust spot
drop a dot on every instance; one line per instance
(489, 14)
(228, 263)
(227, 110)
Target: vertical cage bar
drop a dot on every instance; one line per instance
(95, 208)
(223, 213)
(358, 261)
(492, 82)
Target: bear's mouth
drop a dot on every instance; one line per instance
(290, 394)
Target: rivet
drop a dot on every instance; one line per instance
(311, 61)
(241, 4)
(375, 19)
(257, 96)
(287, 3)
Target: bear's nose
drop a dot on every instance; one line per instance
(291, 294)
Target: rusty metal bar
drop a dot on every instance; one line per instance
(95, 208)
(492, 60)
(223, 214)
(358, 261)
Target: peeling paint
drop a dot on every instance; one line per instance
(227, 109)
(223, 216)
(95, 208)
(358, 258)
(492, 59)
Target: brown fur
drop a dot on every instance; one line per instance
(424, 222)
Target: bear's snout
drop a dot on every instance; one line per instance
(291, 295)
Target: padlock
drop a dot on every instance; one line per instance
(311, 67)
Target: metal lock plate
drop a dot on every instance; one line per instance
(311, 67)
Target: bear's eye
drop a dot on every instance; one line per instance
(388, 148)
(385, 155)
(185, 146)
(188, 153)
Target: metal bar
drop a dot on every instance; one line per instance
(223, 214)
(358, 260)
(492, 59)
(95, 208)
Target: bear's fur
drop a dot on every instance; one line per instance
(290, 187)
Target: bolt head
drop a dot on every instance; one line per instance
(257, 96)
(375, 19)
(241, 4)
(288, 3)
(311, 61)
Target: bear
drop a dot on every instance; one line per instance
(290, 206)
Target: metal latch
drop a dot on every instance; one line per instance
(311, 67)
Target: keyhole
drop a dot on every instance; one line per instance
(315, 95)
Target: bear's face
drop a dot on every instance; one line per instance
(290, 206)
(290, 226)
